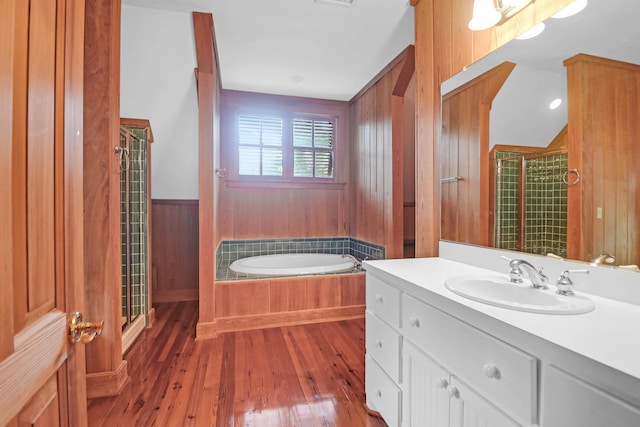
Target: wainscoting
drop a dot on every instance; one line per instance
(253, 304)
(174, 250)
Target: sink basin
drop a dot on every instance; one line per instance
(499, 291)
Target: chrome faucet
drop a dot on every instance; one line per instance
(604, 259)
(356, 263)
(565, 284)
(539, 280)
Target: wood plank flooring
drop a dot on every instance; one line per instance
(311, 375)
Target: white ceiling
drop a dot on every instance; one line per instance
(301, 47)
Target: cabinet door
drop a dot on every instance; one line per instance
(426, 402)
(469, 409)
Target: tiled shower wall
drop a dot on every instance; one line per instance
(545, 228)
(507, 235)
(137, 226)
(231, 250)
(545, 209)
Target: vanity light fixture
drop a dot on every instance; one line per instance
(487, 13)
(534, 31)
(571, 10)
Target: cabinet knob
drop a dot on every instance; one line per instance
(378, 343)
(442, 383)
(379, 298)
(491, 371)
(413, 321)
(379, 393)
(452, 391)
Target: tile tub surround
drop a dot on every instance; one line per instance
(231, 250)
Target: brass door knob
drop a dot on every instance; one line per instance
(81, 331)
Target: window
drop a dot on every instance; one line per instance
(294, 147)
(312, 148)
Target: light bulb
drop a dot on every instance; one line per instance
(571, 10)
(484, 16)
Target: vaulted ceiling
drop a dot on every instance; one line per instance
(302, 47)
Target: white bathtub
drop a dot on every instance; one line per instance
(292, 264)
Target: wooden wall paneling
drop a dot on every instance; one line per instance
(254, 304)
(466, 211)
(102, 195)
(263, 210)
(322, 292)
(352, 290)
(287, 295)
(208, 79)
(427, 129)
(241, 298)
(603, 107)
(175, 252)
(376, 211)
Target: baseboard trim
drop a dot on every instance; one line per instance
(274, 320)
(174, 295)
(105, 384)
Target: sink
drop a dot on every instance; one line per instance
(499, 291)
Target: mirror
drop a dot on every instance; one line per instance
(527, 181)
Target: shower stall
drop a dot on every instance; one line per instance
(133, 153)
(531, 202)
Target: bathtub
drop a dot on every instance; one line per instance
(292, 264)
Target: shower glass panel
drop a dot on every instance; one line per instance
(531, 203)
(133, 224)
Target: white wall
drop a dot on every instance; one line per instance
(157, 83)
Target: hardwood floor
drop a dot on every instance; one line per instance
(311, 375)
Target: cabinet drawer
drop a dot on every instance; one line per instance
(383, 344)
(384, 301)
(382, 394)
(503, 374)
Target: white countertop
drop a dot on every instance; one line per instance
(610, 334)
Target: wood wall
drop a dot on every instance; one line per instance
(444, 46)
(282, 210)
(377, 157)
(254, 304)
(208, 79)
(106, 370)
(603, 106)
(465, 154)
(174, 265)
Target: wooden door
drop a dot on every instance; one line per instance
(41, 241)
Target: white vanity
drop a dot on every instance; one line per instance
(435, 358)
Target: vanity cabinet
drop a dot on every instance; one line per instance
(569, 401)
(435, 397)
(434, 362)
(383, 346)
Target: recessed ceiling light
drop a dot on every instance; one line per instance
(347, 3)
(296, 79)
(571, 10)
(555, 104)
(536, 30)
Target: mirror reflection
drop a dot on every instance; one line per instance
(539, 141)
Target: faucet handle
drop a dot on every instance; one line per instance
(565, 284)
